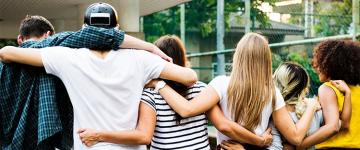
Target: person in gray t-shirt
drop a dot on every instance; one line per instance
(293, 82)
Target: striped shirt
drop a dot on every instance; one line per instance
(190, 133)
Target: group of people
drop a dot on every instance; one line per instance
(129, 98)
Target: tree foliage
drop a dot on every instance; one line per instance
(201, 16)
(339, 20)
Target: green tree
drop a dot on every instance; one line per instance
(200, 15)
(304, 60)
(6, 42)
(339, 20)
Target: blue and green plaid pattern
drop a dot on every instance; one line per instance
(35, 109)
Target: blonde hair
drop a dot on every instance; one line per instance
(251, 85)
(293, 82)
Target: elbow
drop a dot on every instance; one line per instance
(296, 142)
(186, 113)
(144, 140)
(296, 139)
(224, 129)
(335, 128)
(345, 126)
(192, 78)
(3, 56)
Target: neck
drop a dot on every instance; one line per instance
(33, 39)
(100, 54)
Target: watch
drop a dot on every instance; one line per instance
(159, 85)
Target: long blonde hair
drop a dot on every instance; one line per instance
(251, 86)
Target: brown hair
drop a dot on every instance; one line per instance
(251, 86)
(172, 46)
(338, 60)
(35, 26)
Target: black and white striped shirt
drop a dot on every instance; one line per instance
(190, 134)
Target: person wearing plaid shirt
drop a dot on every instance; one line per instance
(35, 109)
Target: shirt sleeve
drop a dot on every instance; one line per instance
(56, 59)
(89, 37)
(94, 38)
(152, 65)
(219, 85)
(147, 98)
(279, 103)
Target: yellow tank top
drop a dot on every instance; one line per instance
(350, 138)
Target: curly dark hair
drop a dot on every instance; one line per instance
(338, 60)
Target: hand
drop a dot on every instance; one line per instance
(313, 103)
(230, 145)
(160, 53)
(341, 86)
(152, 83)
(267, 136)
(88, 136)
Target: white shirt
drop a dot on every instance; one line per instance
(105, 93)
(221, 83)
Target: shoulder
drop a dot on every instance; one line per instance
(327, 89)
(220, 80)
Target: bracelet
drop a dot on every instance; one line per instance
(161, 84)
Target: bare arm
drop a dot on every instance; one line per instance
(234, 130)
(28, 56)
(183, 75)
(206, 99)
(345, 115)
(330, 111)
(294, 133)
(132, 42)
(142, 135)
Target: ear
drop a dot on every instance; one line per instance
(20, 39)
(47, 34)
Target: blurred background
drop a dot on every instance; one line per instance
(210, 29)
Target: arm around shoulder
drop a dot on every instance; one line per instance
(28, 56)
(183, 75)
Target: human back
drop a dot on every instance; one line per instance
(248, 95)
(105, 92)
(172, 131)
(338, 60)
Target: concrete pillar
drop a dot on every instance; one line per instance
(129, 15)
(59, 24)
(81, 11)
(309, 18)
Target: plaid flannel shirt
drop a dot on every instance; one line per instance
(36, 112)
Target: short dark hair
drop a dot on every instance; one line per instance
(338, 60)
(35, 26)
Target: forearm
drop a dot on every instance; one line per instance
(20, 55)
(346, 112)
(177, 102)
(242, 135)
(133, 137)
(232, 129)
(132, 42)
(319, 136)
(301, 127)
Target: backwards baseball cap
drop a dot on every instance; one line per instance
(101, 15)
